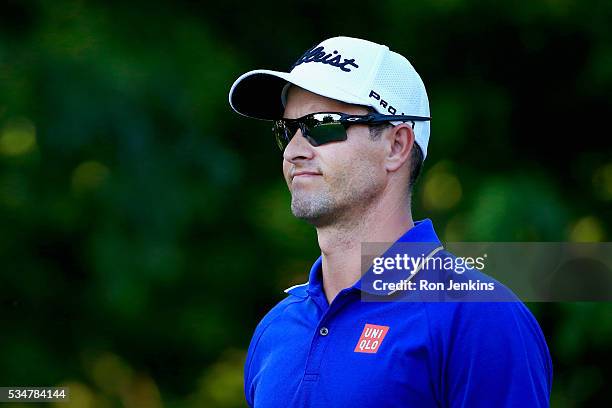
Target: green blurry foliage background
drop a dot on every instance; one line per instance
(145, 228)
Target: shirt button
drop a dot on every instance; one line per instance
(324, 331)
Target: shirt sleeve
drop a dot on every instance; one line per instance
(495, 355)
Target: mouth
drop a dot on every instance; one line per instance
(304, 175)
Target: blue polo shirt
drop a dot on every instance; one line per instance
(352, 353)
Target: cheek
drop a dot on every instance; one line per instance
(361, 165)
(368, 156)
(368, 168)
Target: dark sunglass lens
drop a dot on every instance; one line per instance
(327, 133)
(283, 133)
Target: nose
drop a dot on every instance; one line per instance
(298, 149)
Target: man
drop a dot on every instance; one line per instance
(352, 119)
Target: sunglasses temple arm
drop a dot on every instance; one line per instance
(405, 118)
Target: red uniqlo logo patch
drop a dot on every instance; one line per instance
(371, 338)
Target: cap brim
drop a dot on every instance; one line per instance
(257, 94)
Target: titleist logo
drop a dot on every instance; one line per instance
(334, 59)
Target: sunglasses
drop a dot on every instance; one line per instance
(326, 127)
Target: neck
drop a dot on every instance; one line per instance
(340, 243)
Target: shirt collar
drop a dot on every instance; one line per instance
(422, 232)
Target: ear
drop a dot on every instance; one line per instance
(400, 140)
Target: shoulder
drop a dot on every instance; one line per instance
(491, 311)
(499, 345)
(493, 324)
(490, 317)
(506, 333)
(295, 295)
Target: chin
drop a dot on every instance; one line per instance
(310, 210)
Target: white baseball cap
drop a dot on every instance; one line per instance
(347, 69)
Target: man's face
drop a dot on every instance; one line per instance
(335, 181)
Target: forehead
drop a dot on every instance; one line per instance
(301, 102)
